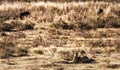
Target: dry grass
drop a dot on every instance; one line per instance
(57, 30)
(17, 25)
(7, 47)
(60, 0)
(21, 51)
(39, 41)
(68, 12)
(82, 15)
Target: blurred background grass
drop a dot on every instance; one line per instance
(60, 0)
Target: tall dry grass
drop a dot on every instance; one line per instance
(60, 0)
(74, 11)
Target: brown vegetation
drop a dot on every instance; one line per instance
(51, 33)
(61, 0)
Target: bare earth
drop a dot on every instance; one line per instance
(49, 63)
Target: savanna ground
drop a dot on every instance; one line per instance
(42, 35)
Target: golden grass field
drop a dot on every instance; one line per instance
(42, 35)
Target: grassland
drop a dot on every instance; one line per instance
(47, 38)
(61, 0)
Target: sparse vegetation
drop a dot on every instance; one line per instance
(3, 34)
(20, 35)
(18, 25)
(7, 49)
(113, 66)
(109, 22)
(63, 25)
(21, 51)
(45, 34)
(38, 51)
(62, 0)
(39, 41)
(5, 27)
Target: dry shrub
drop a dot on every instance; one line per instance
(117, 12)
(117, 42)
(61, 0)
(96, 43)
(18, 25)
(3, 34)
(102, 43)
(55, 32)
(2, 19)
(86, 34)
(5, 27)
(29, 25)
(85, 26)
(72, 12)
(113, 66)
(63, 25)
(21, 51)
(103, 33)
(4, 16)
(66, 53)
(96, 50)
(38, 51)
(48, 51)
(109, 22)
(7, 48)
(20, 35)
(39, 41)
(100, 50)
